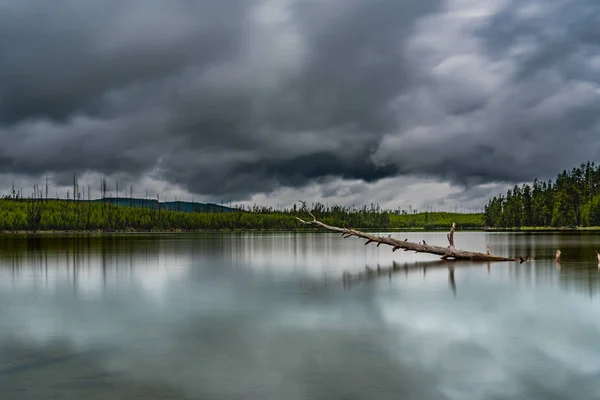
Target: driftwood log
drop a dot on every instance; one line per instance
(447, 253)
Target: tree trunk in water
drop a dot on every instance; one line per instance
(446, 253)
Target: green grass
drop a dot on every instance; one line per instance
(437, 220)
(60, 215)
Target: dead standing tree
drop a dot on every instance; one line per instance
(447, 253)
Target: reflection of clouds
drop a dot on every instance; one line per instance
(90, 276)
(505, 333)
(318, 253)
(56, 369)
(225, 328)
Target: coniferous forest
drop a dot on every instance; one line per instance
(571, 200)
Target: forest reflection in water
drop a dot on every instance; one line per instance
(222, 315)
(116, 255)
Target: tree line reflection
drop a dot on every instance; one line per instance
(40, 258)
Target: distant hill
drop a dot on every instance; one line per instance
(183, 206)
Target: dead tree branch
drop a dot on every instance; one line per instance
(447, 253)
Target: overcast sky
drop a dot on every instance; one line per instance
(423, 103)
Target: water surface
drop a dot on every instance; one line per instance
(268, 316)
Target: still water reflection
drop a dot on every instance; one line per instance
(268, 316)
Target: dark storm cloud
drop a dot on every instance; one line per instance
(204, 94)
(243, 96)
(316, 166)
(65, 58)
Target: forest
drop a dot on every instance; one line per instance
(571, 200)
(40, 214)
(114, 213)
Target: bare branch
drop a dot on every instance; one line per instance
(445, 252)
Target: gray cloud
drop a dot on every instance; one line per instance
(502, 98)
(239, 98)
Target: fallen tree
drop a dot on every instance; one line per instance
(447, 253)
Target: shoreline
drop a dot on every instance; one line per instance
(302, 230)
(241, 230)
(182, 231)
(545, 229)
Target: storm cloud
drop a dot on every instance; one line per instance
(242, 98)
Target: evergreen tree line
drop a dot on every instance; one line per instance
(571, 200)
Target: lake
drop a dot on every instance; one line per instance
(269, 316)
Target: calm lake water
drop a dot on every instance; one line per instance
(268, 316)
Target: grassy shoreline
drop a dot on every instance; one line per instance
(223, 230)
(288, 230)
(546, 229)
(72, 216)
